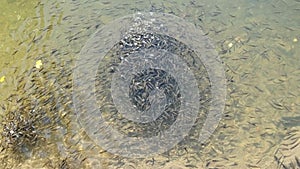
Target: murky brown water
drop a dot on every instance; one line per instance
(258, 41)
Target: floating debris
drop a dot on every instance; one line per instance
(230, 45)
(38, 64)
(2, 79)
(233, 43)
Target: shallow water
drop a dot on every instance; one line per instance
(258, 41)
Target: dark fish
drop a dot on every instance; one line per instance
(288, 154)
